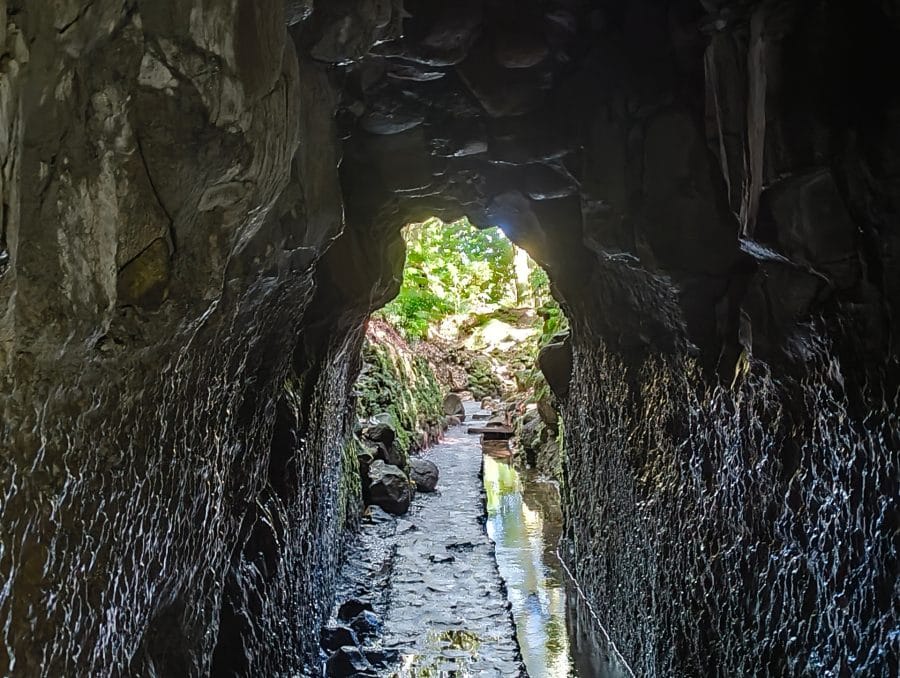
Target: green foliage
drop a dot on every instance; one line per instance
(415, 309)
(451, 268)
(554, 322)
(539, 282)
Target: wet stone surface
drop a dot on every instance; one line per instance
(432, 578)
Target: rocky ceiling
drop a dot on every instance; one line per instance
(692, 170)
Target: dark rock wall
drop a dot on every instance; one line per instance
(201, 204)
(173, 416)
(745, 523)
(742, 530)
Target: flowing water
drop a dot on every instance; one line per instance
(557, 635)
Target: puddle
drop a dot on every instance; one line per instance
(557, 635)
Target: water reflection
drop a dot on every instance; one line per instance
(556, 635)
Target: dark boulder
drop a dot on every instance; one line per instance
(555, 361)
(382, 433)
(389, 488)
(397, 456)
(424, 474)
(351, 608)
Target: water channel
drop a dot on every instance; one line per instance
(557, 635)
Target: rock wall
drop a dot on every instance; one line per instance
(742, 530)
(202, 202)
(174, 401)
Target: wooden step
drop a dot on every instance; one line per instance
(492, 432)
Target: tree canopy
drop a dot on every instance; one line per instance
(456, 268)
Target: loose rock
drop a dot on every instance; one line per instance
(453, 406)
(353, 607)
(424, 474)
(389, 488)
(335, 637)
(381, 433)
(366, 624)
(555, 361)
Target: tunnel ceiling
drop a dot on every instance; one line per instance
(666, 162)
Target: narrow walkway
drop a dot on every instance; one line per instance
(433, 579)
(448, 608)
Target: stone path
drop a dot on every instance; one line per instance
(433, 578)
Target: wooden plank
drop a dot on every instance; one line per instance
(492, 432)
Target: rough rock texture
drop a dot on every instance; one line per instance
(202, 202)
(424, 474)
(389, 488)
(173, 397)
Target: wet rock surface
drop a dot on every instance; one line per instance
(433, 579)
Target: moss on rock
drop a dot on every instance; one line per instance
(397, 383)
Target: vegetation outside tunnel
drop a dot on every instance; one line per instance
(471, 315)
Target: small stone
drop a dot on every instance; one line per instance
(453, 406)
(347, 661)
(382, 659)
(366, 624)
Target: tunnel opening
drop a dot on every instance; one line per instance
(471, 294)
(467, 317)
(455, 354)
